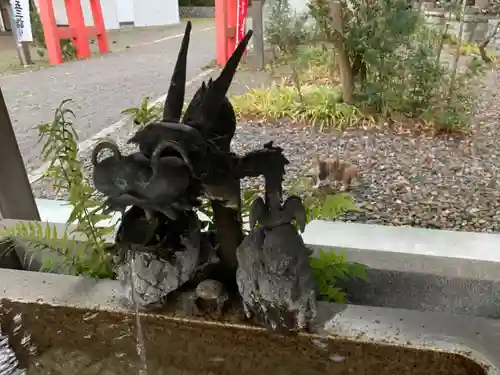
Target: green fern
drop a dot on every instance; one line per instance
(65, 171)
(330, 269)
(321, 205)
(329, 207)
(60, 149)
(43, 237)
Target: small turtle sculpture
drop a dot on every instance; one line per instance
(212, 291)
(211, 294)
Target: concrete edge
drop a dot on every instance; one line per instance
(474, 338)
(445, 253)
(431, 251)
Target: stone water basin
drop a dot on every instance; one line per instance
(71, 340)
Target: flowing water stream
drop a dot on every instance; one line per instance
(141, 347)
(9, 364)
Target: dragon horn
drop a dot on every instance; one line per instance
(175, 97)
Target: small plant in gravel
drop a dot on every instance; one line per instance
(60, 150)
(145, 113)
(68, 50)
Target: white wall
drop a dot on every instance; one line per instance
(125, 10)
(156, 12)
(109, 12)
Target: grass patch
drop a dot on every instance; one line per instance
(318, 105)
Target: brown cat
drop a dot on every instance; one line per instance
(333, 170)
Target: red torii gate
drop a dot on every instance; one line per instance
(230, 17)
(77, 31)
(225, 29)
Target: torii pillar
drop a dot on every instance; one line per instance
(225, 29)
(77, 31)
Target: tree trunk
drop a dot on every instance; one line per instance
(456, 59)
(344, 64)
(482, 46)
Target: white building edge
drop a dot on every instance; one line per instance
(116, 13)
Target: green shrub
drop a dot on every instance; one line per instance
(395, 59)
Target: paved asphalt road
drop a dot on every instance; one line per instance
(101, 87)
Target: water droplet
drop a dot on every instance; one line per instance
(337, 358)
(89, 316)
(319, 343)
(217, 359)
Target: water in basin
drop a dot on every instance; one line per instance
(75, 341)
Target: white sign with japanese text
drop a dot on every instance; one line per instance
(21, 20)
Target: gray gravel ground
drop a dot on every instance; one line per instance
(424, 181)
(427, 182)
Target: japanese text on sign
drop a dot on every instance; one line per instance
(21, 18)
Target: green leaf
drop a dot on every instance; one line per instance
(127, 111)
(329, 268)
